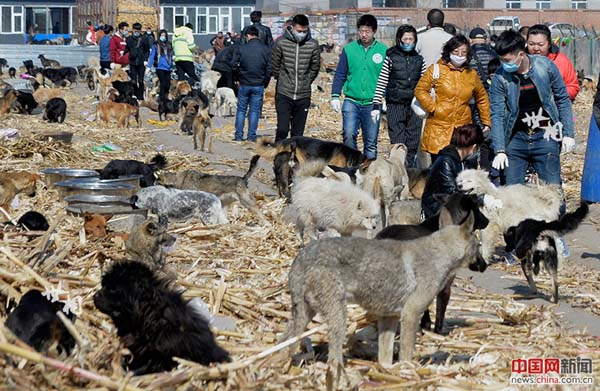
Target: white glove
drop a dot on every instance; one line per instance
(335, 105)
(375, 114)
(500, 161)
(112, 65)
(568, 143)
(145, 63)
(491, 202)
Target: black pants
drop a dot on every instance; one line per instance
(105, 64)
(164, 83)
(136, 73)
(291, 116)
(226, 80)
(404, 127)
(186, 67)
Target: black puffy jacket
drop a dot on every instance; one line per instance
(405, 73)
(482, 55)
(138, 49)
(441, 180)
(264, 34)
(254, 59)
(223, 59)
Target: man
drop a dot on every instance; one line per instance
(218, 42)
(431, 42)
(528, 101)
(357, 73)
(264, 33)
(183, 50)
(296, 62)
(223, 64)
(284, 27)
(482, 54)
(118, 45)
(138, 54)
(254, 59)
(539, 41)
(149, 37)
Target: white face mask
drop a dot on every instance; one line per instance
(299, 35)
(457, 60)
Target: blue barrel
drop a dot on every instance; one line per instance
(590, 182)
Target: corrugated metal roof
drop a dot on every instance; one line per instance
(66, 55)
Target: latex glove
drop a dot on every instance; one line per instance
(500, 161)
(145, 63)
(568, 143)
(112, 65)
(492, 202)
(335, 105)
(375, 114)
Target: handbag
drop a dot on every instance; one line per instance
(415, 105)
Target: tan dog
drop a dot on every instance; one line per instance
(16, 182)
(104, 82)
(43, 95)
(145, 244)
(202, 131)
(119, 111)
(6, 101)
(179, 88)
(95, 225)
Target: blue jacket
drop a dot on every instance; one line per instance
(504, 99)
(105, 48)
(165, 62)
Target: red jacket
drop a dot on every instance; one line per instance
(117, 48)
(567, 72)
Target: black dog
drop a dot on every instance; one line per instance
(117, 168)
(56, 110)
(35, 322)
(12, 72)
(460, 206)
(168, 106)
(59, 76)
(33, 221)
(533, 242)
(154, 320)
(25, 102)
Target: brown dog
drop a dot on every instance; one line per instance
(145, 244)
(6, 101)
(119, 111)
(179, 88)
(15, 182)
(43, 95)
(95, 225)
(201, 127)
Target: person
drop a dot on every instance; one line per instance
(138, 56)
(149, 37)
(104, 46)
(218, 42)
(524, 31)
(433, 39)
(528, 86)
(284, 27)
(228, 39)
(254, 59)
(450, 29)
(223, 64)
(118, 45)
(296, 61)
(90, 37)
(400, 73)
(357, 73)
(590, 191)
(456, 85)
(442, 175)
(183, 50)
(161, 58)
(264, 32)
(486, 152)
(56, 28)
(482, 54)
(99, 29)
(539, 41)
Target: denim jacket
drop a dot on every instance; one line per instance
(504, 99)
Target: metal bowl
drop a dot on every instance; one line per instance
(128, 179)
(98, 199)
(98, 187)
(53, 175)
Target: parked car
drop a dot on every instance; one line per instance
(565, 30)
(503, 23)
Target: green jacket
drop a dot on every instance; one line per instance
(358, 71)
(183, 44)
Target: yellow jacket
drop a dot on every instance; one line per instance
(183, 44)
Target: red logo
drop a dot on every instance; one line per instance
(536, 365)
(551, 365)
(519, 365)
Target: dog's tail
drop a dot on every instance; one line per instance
(252, 168)
(267, 148)
(158, 162)
(570, 221)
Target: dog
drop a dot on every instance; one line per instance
(25, 102)
(405, 212)
(117, 168)
(534, 241)
(7, 100)
(519, 202)
(46, 62)
(146, 244)
(459, 205)
(225, 99)
(16, 182)
(188, 109)
(322, 204)
(3, 64)
(154, 321)
(56, 110)
(119, 111)
(417, 178)
(34, 321)
(387, 278)
(12, 72)
(33, 221)
(43, 95)
(60, 76)
(181, 205)
(202, 131)
(228, 188)
(167, 106)
(95, 225)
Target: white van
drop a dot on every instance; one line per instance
(503, 23)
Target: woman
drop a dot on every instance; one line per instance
(456, 85)
(450, 162)
(105, 47)
(164, 64)
(401, 71)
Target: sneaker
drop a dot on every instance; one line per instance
(510, 259)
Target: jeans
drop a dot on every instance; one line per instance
(543, 154)
(136, 72)
(291, 116)
(253, 96)
(353, 116)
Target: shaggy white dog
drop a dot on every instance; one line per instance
(322, 204)
(226, 101)
(517, 203)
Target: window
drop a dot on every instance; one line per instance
(542, 4)
(246, 16)
(579, 4)
(180, 16)
(202, 21)
(11, 19)
(225, 18)
(513, 3)
(17, 19)
(213, 15)
(167, 15)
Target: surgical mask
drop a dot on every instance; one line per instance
(148, 32)
(511, 67)
(457, 60)
(125, 32)
(299, 35)
(407, 47)
(136, 34)
(163, 39)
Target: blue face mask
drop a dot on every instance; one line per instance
(407, 47)
(511, 67)
(136, 34)
(163, 39)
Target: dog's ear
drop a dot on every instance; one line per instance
(107, 217)
(87, 216)
(377, 189)
(445, 217)
(152, 228)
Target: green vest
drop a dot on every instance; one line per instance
(183, 44)
(364, 67)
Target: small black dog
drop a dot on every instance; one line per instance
(117, 168)
(35, 322)
(56, 110)
(26, 102)
(12, 72)
(154, 321)
(168, 106)
(33, 221)
(534, 241)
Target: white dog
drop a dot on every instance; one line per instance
(225, 99)
(509, 205)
